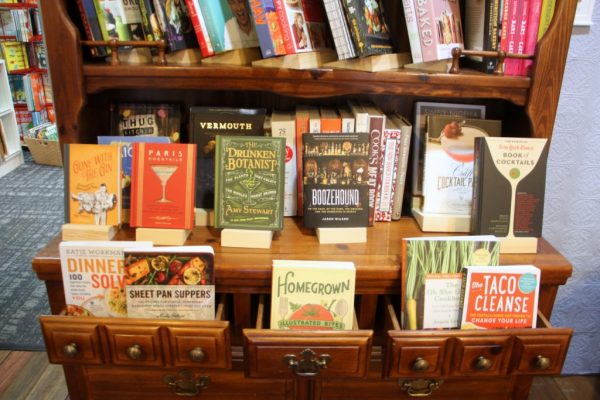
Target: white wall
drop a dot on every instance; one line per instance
(572, 205)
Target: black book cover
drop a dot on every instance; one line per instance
(335, 173)
(367, 26)
(176, 25)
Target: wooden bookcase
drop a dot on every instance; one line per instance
(242, 358)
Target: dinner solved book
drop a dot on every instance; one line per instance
(312, 295)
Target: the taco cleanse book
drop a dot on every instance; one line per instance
(312, 295)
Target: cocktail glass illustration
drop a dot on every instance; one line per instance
(164, 173)
(250, 183)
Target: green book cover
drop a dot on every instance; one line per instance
(249, 179)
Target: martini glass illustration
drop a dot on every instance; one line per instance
(250, 183)
(164, 173)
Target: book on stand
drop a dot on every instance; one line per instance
(342, 39)
(482, 18)
(336, 180)
(369, 31)
(163, 176)
(93, 276)
(249, 182)
(206, 47)
(176, 25)
(267, 28)
(312, 295)
(283, 124)
(204, 125)
(92, 184)
(500, 297)
(432, 273)
(146, 119)
(91, 26)
(176, 282)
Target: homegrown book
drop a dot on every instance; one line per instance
(93, 276)
(249, 182)
(163, 176)
(92, 184)
(335, 180)
(312, 295)
(432, 273)
(500, 297)
(205, 124)
(170, 282)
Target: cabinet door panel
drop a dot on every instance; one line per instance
(417, 356)
(135, 345)
(68, 343)
(200, 347)
(482, 356)
(541, 354)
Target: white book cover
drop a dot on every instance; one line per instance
(283, 124)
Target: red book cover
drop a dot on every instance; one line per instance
(500, 297)
(531, 37)
(205, 48)
(386, 179)
(163, 185)
(284, 26)
(514, 13)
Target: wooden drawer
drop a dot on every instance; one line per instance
(471, 353)
(138, 342)
(289, 354)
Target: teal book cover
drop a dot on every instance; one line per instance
(249, 179)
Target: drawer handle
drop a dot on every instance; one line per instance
(309, 365)
(135, 352)
(482, 363)
(420, 365)
(541, 363)
(197, 354)
(186, 384)
(420, 387)
(70, 350)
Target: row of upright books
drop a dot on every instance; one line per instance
(21, 24)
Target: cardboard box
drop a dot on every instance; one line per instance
(45, 151)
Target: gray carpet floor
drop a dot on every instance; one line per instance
(31, 213)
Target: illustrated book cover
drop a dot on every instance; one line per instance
(267, 27)
(283, 124)
(312, 295)
(432, 273)
(139, 119)
(391, 139)
(204, 125)
(249, 182)
(176, 25)
(336, 180)
(509, 186)
(163, 176)
(126, 143)
(93, 276)
(170, 282)
(500, 297)
(448, 167)
(369, 31)
(92, 184)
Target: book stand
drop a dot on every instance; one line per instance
(244, 56)
(71, 232)
(382, 62)
(204, 217)
(430, 222)
(253, 239)
(184, 57)
(342, 235)
(161, 236)
(518, 245)
(309, 60)
(440, 66)
(134, 56)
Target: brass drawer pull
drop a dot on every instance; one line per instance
(70, 350)
(419, 387)
(309, 365)
(186, 384)
(135, 352)
(482, 363)
(541, 363)
(420, 365)
(197, 354)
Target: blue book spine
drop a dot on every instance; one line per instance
(261, 24)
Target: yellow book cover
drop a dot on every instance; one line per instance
(92, 184)
(312, 295)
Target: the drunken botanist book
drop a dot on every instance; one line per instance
(432, 273)
(500, 297)
(336, 180)
(205, 124)
(163, 176)
(508, 187)
(92, 184)
(249, 182)
(93, 275)
(312, 295)
(170, 282)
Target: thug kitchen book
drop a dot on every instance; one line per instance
(312, 295)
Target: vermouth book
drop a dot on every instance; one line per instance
(163, 176)
(170, 282)
(335, 180)
(500, 297)
(92, 184)
(205, 124)
(249, 182)
(93, 276)
(312, 295)
(508, 187)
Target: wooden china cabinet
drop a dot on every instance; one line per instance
(237, 356)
